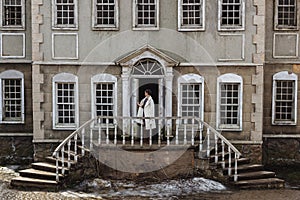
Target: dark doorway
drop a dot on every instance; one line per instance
(151, 84)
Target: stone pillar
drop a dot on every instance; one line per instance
(169, 90)
(125, 96)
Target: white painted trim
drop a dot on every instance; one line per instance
(231, 28)
(230, 78)
(239, 64)
(241, 142)
(135, 26)
(12, 34)
(281, 136)
(297, 45)
(46, 141)
(22, 27)
(16, 134)
(285, 28)
(64, 78)
(105, 27)
(55, 26)
(104, 78)
(65, 58)
(12, 74)
(284, 75)
(190, 79)
(242, 49)
(190, 28)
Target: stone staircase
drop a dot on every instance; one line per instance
(249, 176)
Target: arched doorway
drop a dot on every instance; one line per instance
(148, 73)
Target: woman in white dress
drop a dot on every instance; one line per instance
(147, 109)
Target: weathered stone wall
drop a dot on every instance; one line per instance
(281, 151)
(27, 126)
(254, 152)
(16, 150)
(43, 150)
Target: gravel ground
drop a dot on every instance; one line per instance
(6, 193)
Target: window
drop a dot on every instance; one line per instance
(106, 14)
(191, 96)
(146, 14)
(229, 102)
(64, 14)
(284, 110)
(191, 15)
(231, 14)
(13, 14)
(65, 101)
(12, 97)
(104, 96)
(286, 14)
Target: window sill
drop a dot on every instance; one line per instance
(12, 122)
(228, 129)
(65, 128)
(286, 28)
(191, 29)
(65, 28)
(224, 29)
(105, 28)
(284, 123)
(145, 28)
(12, 28)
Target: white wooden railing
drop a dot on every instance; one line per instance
(124, 131)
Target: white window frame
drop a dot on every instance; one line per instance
(64, 78)
(103, 78)
(190, 79)
(108, 26)
(229, 78)
(234, 27)
(182, 27)
(285, 27)
(12, 74)
(12, 27)
(284, 76)
(136, 26)
(64, 26)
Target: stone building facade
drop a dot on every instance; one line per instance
(219, 50)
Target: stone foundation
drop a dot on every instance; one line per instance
(43, 150)
(281, 151)
(254, 152)
(16, 150)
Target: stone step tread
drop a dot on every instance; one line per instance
(47, 165)
(247, 167)
(239, 160)
(34, 180)
(38, 172)
(60, 159)
(255, 174)
(259, 181)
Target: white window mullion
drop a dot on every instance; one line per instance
(146, 14)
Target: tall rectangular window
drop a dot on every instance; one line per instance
(105, 100)
(229, 102)
(146, 13)
(286, 14)
(284, 111)
(65, 14)
(231, 14)
(191, 14)
(65, 101)
(12, 97)
(105, 14)
(13, 13)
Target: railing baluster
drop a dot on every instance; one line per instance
(69, 154)
(200, 137)
(150, 135)
(91, 137)
(107, 131)
(193, 132)
(99, 131)
(116, 132)
(168, 133)
(126, 133)
(235, 168)
(223, 154)
(63, 160)
(229, 161)
(141, 140)
(132, 132)
(82, 133)
(159, 132)
(208, 142)
(216, 148)
(185, 132)
(177, 132)
(75, 147)
(57, 170)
